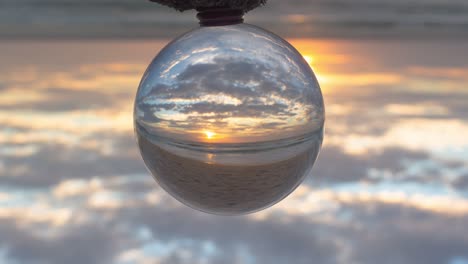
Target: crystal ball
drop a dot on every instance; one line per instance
(229, 119)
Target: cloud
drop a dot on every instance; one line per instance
(371, 230)
(357, 231)
(337, 166)
(405, 235)
(198, 92)
(68, 193)
(339, 18)
(462, 182)
(53, 163)
(90, 244)
(267, 241)
(58, 100)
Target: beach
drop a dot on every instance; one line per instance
(225, 189)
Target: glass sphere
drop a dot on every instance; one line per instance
(229, 120)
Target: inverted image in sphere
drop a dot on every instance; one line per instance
(229, 120)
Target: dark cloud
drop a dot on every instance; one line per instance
(57, 100)
(372, 98)
(269, 241)
(91, 244)
(54, 163)
(372, 233)
(336, 166)
(375, 232)
(151, 118)
(333, 165)
(3, 86)
(242, 110)
(242, 88)
(268, 125)
(462, 182)
(393, 159)
(227, 76)
(399, 234)
(226, 73)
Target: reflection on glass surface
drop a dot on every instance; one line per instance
(229, 119)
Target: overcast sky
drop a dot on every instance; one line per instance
(299, 18)
(390, 185)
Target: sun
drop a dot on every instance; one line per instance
(210, 134)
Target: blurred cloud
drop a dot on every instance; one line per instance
(462, 182)
(54, 163)
(55, 100)
(318, 18)
(356, 167)
(389, 187)
(85, 243)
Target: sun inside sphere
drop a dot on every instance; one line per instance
(229, 120)
(209, 134)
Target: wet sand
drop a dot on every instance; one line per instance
(225, 189)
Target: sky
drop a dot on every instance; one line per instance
(299, 18)
(240, 83)
(389, 186)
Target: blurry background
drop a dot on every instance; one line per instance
(300, 18)
(390, 186)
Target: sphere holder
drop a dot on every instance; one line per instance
(219, 16)
(215, 12)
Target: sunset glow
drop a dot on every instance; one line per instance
(210, 134)
(308, 58)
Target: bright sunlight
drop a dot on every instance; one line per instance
(209, 134)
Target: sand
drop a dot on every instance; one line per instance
(225, 189)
